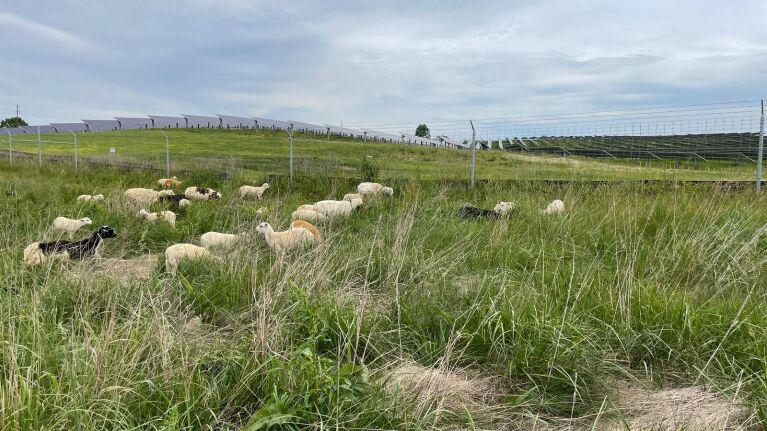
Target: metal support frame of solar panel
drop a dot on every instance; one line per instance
(201, 121)
(235, 122)
(307, 127)
(167, 122)
(70, 127)
(134, 123)
(267, 123)
(101, 125)
(13, 130)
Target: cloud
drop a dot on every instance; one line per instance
(43, 31)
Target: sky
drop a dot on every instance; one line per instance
(372, 63)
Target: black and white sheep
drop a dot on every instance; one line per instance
(41, 252)
(501, 209)
(201, 194)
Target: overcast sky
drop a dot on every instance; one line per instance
(371, 62)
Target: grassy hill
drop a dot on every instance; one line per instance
(268, 153)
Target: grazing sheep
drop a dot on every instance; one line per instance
(555, 207)
(201, 193)
(303, 224)
(309, 215)
(350, 196)
(283, 241)
(169, 182)
(369, 188)
(250, 192)
(90, 198)
(183, 203)
(386, 191)
(166, 216)
(146, 197)
(223, 240)
(178, 252)
(501, 209)
(69, 225)
(307, 207)
(337, 208)
(41, 252)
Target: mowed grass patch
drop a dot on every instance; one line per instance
(657, 283)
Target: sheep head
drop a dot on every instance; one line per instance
(86, 220)
(106, 232)
(264, 228)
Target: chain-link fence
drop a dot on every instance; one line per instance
(702, 142)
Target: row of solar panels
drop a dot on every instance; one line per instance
(224, 122)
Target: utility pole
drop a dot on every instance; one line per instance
(17, 111)
(290, 141)
(167, 155)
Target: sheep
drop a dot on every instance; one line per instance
(350, 196)
(90, 198)
(307, 207)
(337, 208)
(249, 192)
(310, 215)
(201, 193)
(369, 188)
(183, 203)
(386, 191)
(283, 241)
(169, 182)
(166, 216)
(146, 197)
(303, 224)
(555, 207)
(178, 252)
(69, 225)
(41, 252)
(501, 209)
(224, 240)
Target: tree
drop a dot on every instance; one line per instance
(422, 131)
(13, 122)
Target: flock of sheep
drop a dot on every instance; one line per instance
(300, 233)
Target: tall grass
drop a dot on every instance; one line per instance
(656, 283)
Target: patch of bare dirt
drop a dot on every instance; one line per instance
(122, 270)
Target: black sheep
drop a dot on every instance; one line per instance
(39, 252)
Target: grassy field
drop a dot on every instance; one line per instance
(267, 153)
(404, 317)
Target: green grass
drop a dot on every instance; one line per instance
(654, 283)
(267, 152)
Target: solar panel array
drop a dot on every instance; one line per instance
(222, 121)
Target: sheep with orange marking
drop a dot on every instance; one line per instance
(281, 242)
(169, 183)
(303, 224)
(309, 215)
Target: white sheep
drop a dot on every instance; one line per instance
(70, 226)
(183, 203)
(369, 188)
(169, 182)
(337, 208)
(178, 252)
(350, 196)
(309, 215)
(307, 207)
(386, 191)
(283, 241)
(90, 198)
(166, 216)
(555, 207)
(201, 193)
(223, 240)
(145, 197)
(250, 192)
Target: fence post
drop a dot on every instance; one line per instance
(761, 151)
(167, 155)
(39, 148)
(74, 136)
(473, 152)
(290, 142)
(10, 146)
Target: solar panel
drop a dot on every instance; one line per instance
(101, 125)
(202, 121)
(234, 122)
(266, 123)
(12, 130)
(43, 129)
(69, 127)
(165, 122)
(307, 127)
(134, 123)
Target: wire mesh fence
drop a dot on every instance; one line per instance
(701, 142)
